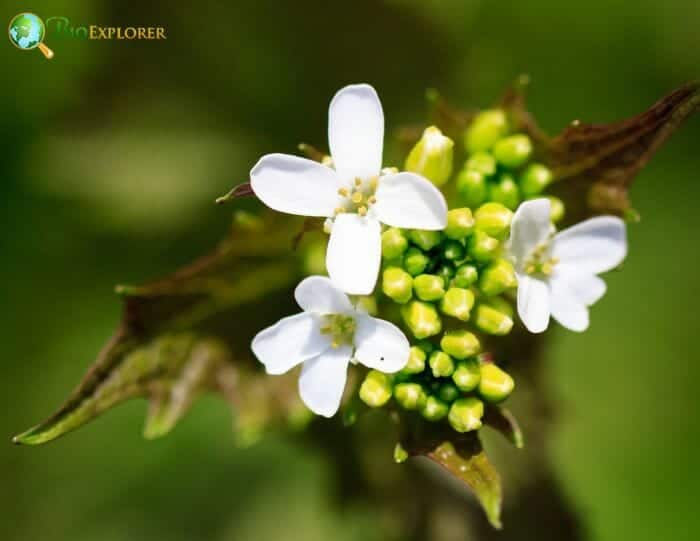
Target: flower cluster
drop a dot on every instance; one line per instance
(447, 278)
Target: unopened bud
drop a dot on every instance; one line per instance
(497, 277)
(445, 271)
(482, 247)
(513, 151)
(465, 414)
(483, 162)
(472, 187)
(500, 304)
(505, 191)
(422, 318)
(416, 360)
(556, 209)
(495, 384)
(448, 392)
(429, 287)
(460, 344)
(415, 261)
(460, 223)
(431, 157)
(486, 128)
(535, 179)
(452, 250)
(394, 243)
(425, 240)
(441, 364)
(375, 390)
(400, 454)
(434, 409)
(457, 302)
(397, 284)
(493, 219)
(410, 396)
(465, 275)
(467, 375)
(491, 321)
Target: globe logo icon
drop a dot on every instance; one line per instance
(27, 32)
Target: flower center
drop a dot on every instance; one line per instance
(359, 198)
(540, 261)
(339, 328)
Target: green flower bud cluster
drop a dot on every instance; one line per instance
(498, 167)
(442, 386)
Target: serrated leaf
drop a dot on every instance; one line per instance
(180, 336)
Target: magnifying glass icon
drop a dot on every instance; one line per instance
(27, 31)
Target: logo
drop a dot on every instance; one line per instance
(27, 32)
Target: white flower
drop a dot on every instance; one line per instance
(326, 336)
(355, 195)
(557, 272)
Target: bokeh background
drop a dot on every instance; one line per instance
(113, 153)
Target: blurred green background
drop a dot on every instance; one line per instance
(113, 153)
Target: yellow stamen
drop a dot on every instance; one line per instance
(339, 210)
(372, 200)
(362, 211)
(374, 183)
(357, 198)
(343, 192)
(358, 182)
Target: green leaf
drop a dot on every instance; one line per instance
(502, 420)
(190, 333)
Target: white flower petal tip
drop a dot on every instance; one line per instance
(356, 132)
(534, 303)
(320, 295)
(412, 201)
(354, 253)
(295, 185)
(288, 342)
(380, 345)
(596, 245)
(322, 380)
(567, 307)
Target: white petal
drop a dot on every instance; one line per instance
(320, 295)
(534, 303)
(289, 342)
(380, 345)
(356, 132)
(596, 245)
(354, 253)
(587, 287)
(295, 185)
(567, 308)
(530, 226)
(322, 380)
(409, 200)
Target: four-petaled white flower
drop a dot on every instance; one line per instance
(326, 336)
(355, 194)
(557, 273)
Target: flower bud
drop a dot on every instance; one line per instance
(534, 179)
(465, 414)
(394, 243)
(505, 191)
(483, 162)
(425, 240)
(460, 344)
(397, 284)
(500, 304)
(432, 156)
(375, 390)
(415, 261)
(486, 128)
(493, 219)
(441, 364)
(497, 277)
(410, 396)
(457, 302)
(467, 375)
(422, 318)
(472, 186)
(452, 250)
(416, 360)
(429, 287)
(495, 384)
(482, 247)
(400, 454)
(465, 276)
(460, 223)
(448, 392)
(556, 212)
(434, 409)
(513, 151)
(426, 345)
(491, 321)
